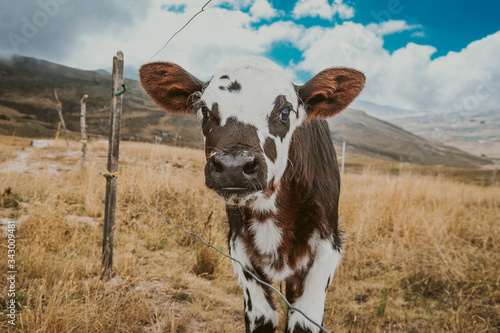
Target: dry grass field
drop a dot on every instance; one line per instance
(422, 252)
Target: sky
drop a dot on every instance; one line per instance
(423, 55)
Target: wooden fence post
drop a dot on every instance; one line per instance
(113, 149)
(59, 110)
(343, 157)
(83, 128)
(58, 130)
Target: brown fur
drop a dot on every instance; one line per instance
(331, 91)
(270, 149)
(169, 85)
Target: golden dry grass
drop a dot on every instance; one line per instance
(422, 252)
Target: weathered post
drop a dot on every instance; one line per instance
(83, 129)
(59, 110)
(58, 130)
(118, 88)
(343, 158)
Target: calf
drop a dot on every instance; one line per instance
(270, 157)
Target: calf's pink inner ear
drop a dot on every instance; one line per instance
(169, 85)
(331, 91)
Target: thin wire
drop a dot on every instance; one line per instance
(290, 306)
(185, 25)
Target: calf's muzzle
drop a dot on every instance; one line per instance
(232, 172)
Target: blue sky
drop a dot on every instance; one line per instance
(417, 54)
(447, 25)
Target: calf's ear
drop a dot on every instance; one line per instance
(169, 85)
(331, 91)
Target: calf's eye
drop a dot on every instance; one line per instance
(284, 115)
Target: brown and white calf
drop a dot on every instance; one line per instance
(270, 157)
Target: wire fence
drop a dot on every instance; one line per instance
(290, 306)
(185, 25)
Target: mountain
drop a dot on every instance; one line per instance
(475, 131)
(102, 71)
(28, 108)
(385, 112)
(366, 135)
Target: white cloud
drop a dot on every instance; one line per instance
(262, 9)
(419, 34)
(258, 9)
(408, 78)
(213, 36)
(322, 9)
(390, 27)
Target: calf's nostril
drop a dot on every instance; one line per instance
(217, 166)
(250, 168)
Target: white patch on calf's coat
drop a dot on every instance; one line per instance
(267, 236)
(263, 203)
(275, 274)
(303, 262)
(282, 150)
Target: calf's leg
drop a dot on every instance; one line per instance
(260, 313)
(306, 290)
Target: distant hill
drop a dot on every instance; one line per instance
(475, 131)
(384, 112)
(27, 108)
(366, 135)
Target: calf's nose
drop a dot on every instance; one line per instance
(233, 171)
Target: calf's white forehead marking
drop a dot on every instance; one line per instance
(260, 81)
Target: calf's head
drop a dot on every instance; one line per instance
(249, 111)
